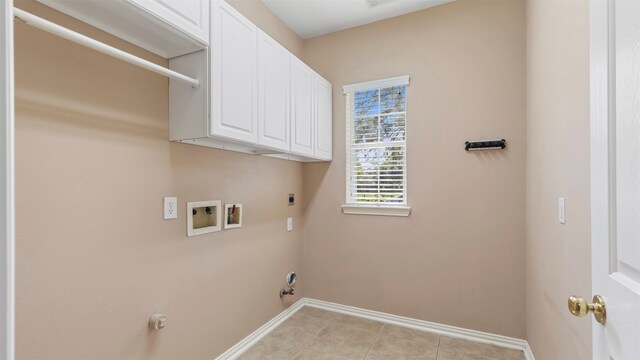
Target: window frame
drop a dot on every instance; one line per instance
(354, 208)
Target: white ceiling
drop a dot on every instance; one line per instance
(309, 18)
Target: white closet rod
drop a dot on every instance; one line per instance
(55, 29)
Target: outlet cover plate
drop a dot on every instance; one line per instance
(561, 211)
(170, 208)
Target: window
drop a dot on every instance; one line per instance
(377, 147)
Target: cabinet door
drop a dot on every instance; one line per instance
(190, 16)
(234, 63)
(323, 111)
(301, 108)
(273, 94)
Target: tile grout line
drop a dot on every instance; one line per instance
(487, 357)
(348, 324)
(296, 353)
(313, 336)
(332, 321)
(374, 342)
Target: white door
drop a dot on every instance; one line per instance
(191, 16)
(234, 63)
(322, 91)
(273, 94)
(301, 108)
(7, 223)
(615, 175)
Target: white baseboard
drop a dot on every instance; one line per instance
(244, 344)
(473, 335)
(528, 353)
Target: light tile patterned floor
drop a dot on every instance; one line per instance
(323, 335)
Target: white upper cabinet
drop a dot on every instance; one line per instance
(254, 95)
(258, 98)
(302, 109)
(167, 28)
(322, 91)
(273, 94)
(190, 16)
(234, 65)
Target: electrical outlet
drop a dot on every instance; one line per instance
(561, 212)
(289, 224)
(170, 208)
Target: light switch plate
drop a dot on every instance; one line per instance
(561, 211)
(170, 208)
(289, 224)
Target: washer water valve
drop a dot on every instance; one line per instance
(157, 321)
(291, 283)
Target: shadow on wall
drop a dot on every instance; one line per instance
(81, 113)
(313, 175)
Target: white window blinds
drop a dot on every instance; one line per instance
(376, 142)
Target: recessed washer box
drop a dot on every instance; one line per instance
(232, 216)
(203, 217)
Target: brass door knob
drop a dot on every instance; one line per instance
(579, 307)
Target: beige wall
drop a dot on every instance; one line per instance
(459, 258)
(558, 256)
(94, 257)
